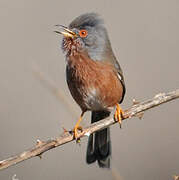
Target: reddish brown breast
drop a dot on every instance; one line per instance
(93, 84)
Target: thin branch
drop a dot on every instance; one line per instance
(43, 146)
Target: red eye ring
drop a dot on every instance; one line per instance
(83, 33)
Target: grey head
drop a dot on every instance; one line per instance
(88, 33)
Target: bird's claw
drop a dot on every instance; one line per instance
(76, 128)
(118, 114)
(75, 132)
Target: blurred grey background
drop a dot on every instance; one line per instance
(144, 36)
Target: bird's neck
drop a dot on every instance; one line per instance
(78, 59)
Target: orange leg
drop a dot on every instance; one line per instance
(118, 114)
(77, 127)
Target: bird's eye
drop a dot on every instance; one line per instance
(83, 33)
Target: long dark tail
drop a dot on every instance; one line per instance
(99, 143)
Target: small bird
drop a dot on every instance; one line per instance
(94, 78)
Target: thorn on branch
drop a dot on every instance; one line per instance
(39, 142)
(134, 102)
(40, 156)
(138, 115)
(64, 130)
(159, 95)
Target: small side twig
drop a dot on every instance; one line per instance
(43, 146)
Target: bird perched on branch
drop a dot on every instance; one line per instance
(94, 78)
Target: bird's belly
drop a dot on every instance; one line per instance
(94, 90)
(93, 100)
(86, 97)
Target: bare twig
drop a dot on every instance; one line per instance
(57, 92)
(43, 146)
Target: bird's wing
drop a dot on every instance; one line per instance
(120, 76)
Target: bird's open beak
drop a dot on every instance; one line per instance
(65, 31)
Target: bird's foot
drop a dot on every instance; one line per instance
(75, 133)
(118, 114)
(77, 127)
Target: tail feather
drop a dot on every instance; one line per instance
(90, 155)
(99, 144)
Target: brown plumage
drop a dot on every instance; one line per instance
(93, 84)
